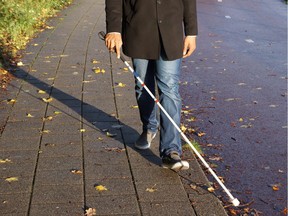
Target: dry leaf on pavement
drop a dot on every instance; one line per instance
(90, 212)
(100, 188)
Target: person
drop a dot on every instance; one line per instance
(156, 34)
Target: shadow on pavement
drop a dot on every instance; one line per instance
(95, 125)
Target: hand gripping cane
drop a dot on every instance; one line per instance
(233, 200)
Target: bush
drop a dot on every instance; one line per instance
(20, 19)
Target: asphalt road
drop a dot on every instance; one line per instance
(235, 85)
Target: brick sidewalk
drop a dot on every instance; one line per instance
(54, 153)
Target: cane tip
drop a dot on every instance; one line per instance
(235, 202)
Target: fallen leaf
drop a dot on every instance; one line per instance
(152, 189)
(29, 115)
(47, 100)
(48, 118)
(82, 130)
(11, 179)
(233, 211)
(211, 189)
(57, 112)
(20, 64)
(183, 128)
(134, 107)
(240, 120)
(11, 101)
(90, 212)
(75, 171)
(215, 158)
(110, 134)
(125, 69)
(200, 134)
(98, 70)
(121, 85)
(115, 149)
(41, 92)
(5, 161)
(275, 188)
(100, 188)
(100, 138)
(45, 131)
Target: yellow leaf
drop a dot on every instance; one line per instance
(90, 212)
(48, 118)
(275, 187)
(20, 64)
(110, 135)
(100, 138)
(11, 101)
(152, 189)
(75, 171)
(82, 130)
(125, 69)
(41, 92)
(29, 115)
(200, 134)
(98, 70)
(94, 61)
(11, 179)
(211, 189)
(5, 161)
(134, 107)
(121, 85)
(46, 131)
(241, 120)
(100, 188)
(183, 128)
(47, 100)
(57, 112)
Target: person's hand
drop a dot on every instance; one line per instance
(189, 46)
(113, 42)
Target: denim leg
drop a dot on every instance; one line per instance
(147, 107)
(167, 77)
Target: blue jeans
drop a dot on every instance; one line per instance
(166, 74)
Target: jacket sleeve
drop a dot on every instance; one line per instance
(190, 17)
(114, 12)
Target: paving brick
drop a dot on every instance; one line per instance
(14, 203)
(167, 208)
(107, 171)
(58, 177)
(115, 187)
(110, 205)
(59, 163)
(65, 194)
(69, 209)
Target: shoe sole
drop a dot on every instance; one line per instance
(183, 165)
(145, 146)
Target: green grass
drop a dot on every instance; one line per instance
(195, 144)
(21, 19)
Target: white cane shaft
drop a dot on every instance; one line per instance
(182, 134)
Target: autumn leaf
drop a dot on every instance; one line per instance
(82, 130)
(125, 69)
(11, 101)
(57, 112)
(29, 115)
(20, 64)
(200, 134)
(100, 188)
(75, 171)
(134, 107)
(41, 92)
(275, 187)
(2, 161)
(48, 118)
(11, 179)
(211, 189)
(98, 70)
(90, 212)
(115, 149)
(100, 138)
(47, 100)
(110, 134)
(152, 189)
(94, 61)
(45, 131)
(121, 85)
(183, 128)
